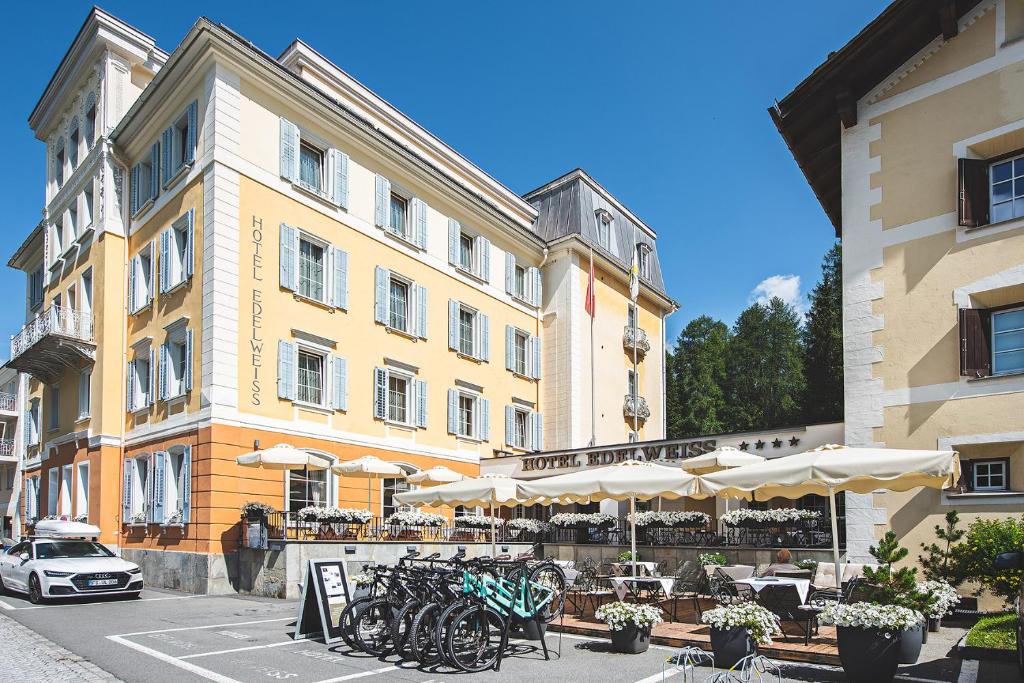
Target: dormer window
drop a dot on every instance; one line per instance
(604, 229)
(643, 256)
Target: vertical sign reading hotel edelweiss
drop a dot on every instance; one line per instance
(256, 336)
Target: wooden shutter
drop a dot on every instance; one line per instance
(510, 274)
(453, 324)
(154, 170)
(453, 411)
(483, 263)
(289, 255)
(339, 385)
(193, 133)
(973, 204)
(164, 362)
(381, 277)
(380, 393)
(484, 406)
(533, 276)
(133, 202)
(340, 284)
(188, 360)
(536, 424)
(151, 280)
(286, 370)
(157, 509)
(186, 485)
(419, 222)
(421, 311)
(152, 385)
(166, 145)
(510, 425)
(382, 202)
(510, 345)
(289, 150)
(133, 265)
(339, 177)
(975, 342)
(483, 330)
(454, 231)
(126, 492)
(165, 260)
(130, 388)
(189, 265)
(421, 403)
(534, 361)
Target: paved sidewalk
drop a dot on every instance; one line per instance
(34, 659)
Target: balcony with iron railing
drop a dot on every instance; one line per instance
(635, 338)
(638, 408)
(7, 449)
(57, 339)
(8, 405)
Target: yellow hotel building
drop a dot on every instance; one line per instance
(239, 251)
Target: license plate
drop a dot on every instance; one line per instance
(103, 582)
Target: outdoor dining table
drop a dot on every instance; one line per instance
(631, 585)
(733, 571)
(802, 586)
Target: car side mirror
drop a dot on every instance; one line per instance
(25, 557)
(1011, 560)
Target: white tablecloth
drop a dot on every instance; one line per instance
(733, 571)
(644, 567)
(803, 586)
(619, 583)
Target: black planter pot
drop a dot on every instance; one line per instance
(934, 624)
(730, 646)
(868, 655)
(631, 640)
(910, 644)
(534, 630)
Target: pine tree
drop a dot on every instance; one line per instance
(673, 408)
(699, 368)
(823, 344)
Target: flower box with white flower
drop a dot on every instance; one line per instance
(475, 527)
(737, 630)
(526, 529)
(629, 624)
(869, 637)
(335, 523)
(583, 520)
(410, 525)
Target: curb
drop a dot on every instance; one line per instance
(992, 653)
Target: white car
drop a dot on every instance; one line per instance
(58, 565)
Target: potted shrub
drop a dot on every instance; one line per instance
(737, 630)
(627, 557)
(707, 560)
(944, 600)
(630, 625)
(255, 511)
(869, 638)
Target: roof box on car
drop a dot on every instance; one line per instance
(59, 528)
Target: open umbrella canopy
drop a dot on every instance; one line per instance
(435, 475)
(721, 458)
(490, 489)
(837, 468)
(283, 457)
(628, 479)
(369, 467)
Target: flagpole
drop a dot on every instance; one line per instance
(593, 391)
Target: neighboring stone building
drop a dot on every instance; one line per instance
(239, 251)
(912, 138)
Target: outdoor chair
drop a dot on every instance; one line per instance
(586, 591)
(823, 596)
(690, 582)
(784, 602)
(725, 591)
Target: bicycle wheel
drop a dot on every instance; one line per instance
(475, 638)
(348, 618)
(444, 621)
(551, 576)
(373, 627)
(401, 626)
(421, 636)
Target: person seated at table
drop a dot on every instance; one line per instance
(782, 563)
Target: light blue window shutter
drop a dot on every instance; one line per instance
(483, 245)
(510, 425)
(382, 202)
(166, 143)
(453, 324)
(483, 351)
(28, 428)
(188, 360)
(130, 386)
(535, 357)
(421, 311)
(153, 371)
(289, 258)
(126, 492)
(340, 385)
(380, 393)
(133, 201)
(289, 150)
(453, 411)
(164, 362)
(340, 278)
(193, 132)
(151, 248)
(339, 183)
(165, 260)
(419, 212)
(534, 276)
(510, 273)
(510, 345)
(133, 265)
(186, 485)
(154, 167)
(537, 431)
(381, 276)
(190, 245)
(286, 369)
(485, 419)
(421, 403)
(454, 231)
(157, 513)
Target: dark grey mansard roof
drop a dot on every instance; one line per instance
(569, 206)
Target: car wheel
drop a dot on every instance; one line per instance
(35, 591)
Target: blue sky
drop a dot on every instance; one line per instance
(664, 103)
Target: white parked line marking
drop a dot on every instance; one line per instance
(361, 674)
(174, 661)
(197, 628)
(7, 606)
(242, 649)
(660, 677)
(111, 602)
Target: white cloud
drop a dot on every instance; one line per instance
(786, 287)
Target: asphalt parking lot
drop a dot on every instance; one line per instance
(168, 636)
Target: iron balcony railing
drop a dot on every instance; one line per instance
(637, 408)
(8, 403)
(57, 320)
(6, 447)
(635, 339)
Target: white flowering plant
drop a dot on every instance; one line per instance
(415, 518)
(619, 615)
(717, 559)
(532, 525)
(255, 508)
(744, 516)
(591, 519)
(761, 623)
(945, 597)
(478, 521)
(82, 518)
(870, 615)
(363, 580)
(329, 514)
(138, 517)
(690, 518)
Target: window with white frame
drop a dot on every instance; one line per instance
(176, 362)
(140, 280)
(53, 408)
(310, 377)
(85, 302)
(398, 304)
(523, 428)
(32, 423)
(176, 252)
(643, 252)
(398, 207)
(466, 252)
(630, 315)
(308, 487)
(312, 273)
(308, 374)
(467, 327)
(311, 164)
(179, 143)
(140, 378)
(52, 490)
(137, 485)
(57, 239)
(990, 475)
(1006, 189)
(520, 429)
(84, 390)
(389, 489)
(519, 287)
(1008, 341)
(71, 226)
(468, 331)
(399, 398)
(82, 490)
(145, 180)
(35, 288)
(66, 488)
(631, 385)
(468, 415)
(519, 342)
(522, 352)
(522, 282)
(88, 207)
(176, 485)
(469, 252)
(312, 268)
(604, 229)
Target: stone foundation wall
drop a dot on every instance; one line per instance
(672, 556)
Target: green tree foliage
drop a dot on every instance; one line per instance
(937, 559)
(699, 377)
(974, 558)
(888, 585)
(823, 344)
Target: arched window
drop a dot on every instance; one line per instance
(89, 128)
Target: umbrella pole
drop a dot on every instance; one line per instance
(632, 530)
(492, 531)
(835, 537)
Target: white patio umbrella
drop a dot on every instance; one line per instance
(829, 469)
(489, 490)
(368, 467)
(631, 479)
(721, 458)
(284, 457)
(438, 474)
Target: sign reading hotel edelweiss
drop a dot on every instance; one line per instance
(654, 452)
